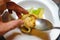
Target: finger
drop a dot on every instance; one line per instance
(13, 6)
(2, 6)
(6, 0)
(1, 2)
(14, 24)
(0, 18)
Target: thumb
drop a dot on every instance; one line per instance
(13, 24)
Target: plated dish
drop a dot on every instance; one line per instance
(48, 12)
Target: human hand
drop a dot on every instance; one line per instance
(5, 27)
(3, 5)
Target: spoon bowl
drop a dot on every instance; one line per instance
(43, 24)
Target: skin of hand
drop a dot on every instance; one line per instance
(5, 27)
(12, 6)
(3, 5)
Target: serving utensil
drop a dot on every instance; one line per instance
(44, 24)
(40, 24)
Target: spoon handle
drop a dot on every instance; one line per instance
(56, 27)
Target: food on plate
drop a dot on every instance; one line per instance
(29, 22)
(39, 12)
(29, 19)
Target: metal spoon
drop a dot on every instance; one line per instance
(44, 24)
(41, 24)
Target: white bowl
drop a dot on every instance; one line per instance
(51, 14)
(50, 9)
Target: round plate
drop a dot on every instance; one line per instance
(50, 9)
(51, 14)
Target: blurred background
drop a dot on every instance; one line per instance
(58, 3)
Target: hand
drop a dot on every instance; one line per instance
(3, 5)
(5, 27)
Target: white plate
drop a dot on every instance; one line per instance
(51, 9)
(51, 14)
